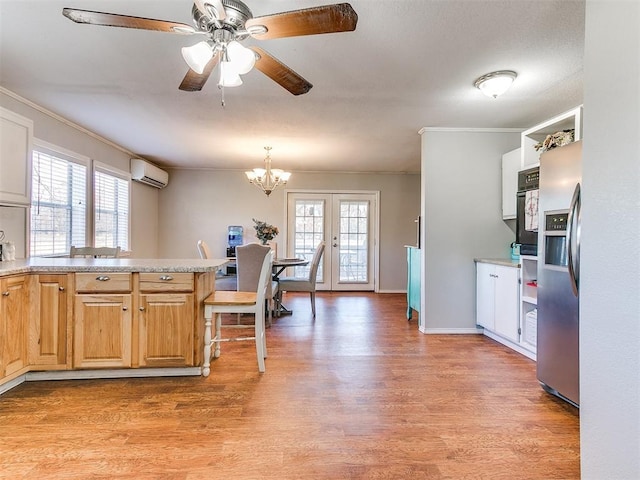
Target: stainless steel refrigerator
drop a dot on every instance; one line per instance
(559, 272)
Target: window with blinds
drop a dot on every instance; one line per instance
(111, 209)
(58, 203)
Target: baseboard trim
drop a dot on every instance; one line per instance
(393, 291)
(451, 331)
(511, 345)
(5, 387)
(115, 373)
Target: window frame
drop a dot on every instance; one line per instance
(61, 153)
(117, 173)
(91, 166)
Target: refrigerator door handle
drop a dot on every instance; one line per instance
(573, 236)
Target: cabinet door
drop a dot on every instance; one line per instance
(166, 330)
(16, 137)
(485, 295)
(102, 331)
(511, 164)
(48, 336)
(507, 299)
(14, 304)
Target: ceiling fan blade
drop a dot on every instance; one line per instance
(193, 82)
(215, 8)
(280, 73)
(340, 17)
(125, 21)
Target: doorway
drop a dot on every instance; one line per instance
(347, 222)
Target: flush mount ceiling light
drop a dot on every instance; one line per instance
(266, 178)
(495, 83)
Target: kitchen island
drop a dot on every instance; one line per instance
(68, 318)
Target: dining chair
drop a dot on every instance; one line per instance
(94, 252)
(223, 282)
(220, 302)
(203, 250)
(293, 284)
(248, 261)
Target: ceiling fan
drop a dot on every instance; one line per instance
(226, 23)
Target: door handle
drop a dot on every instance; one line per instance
(573, 234)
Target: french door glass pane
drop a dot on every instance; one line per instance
(309, 232)
(354, 241)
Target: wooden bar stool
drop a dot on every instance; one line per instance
(220, 302)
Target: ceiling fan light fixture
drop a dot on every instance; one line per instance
(242, 58)
(228, 75)
(197, 56)
(496, 83)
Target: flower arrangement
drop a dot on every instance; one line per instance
(557, 139)
(264, 231)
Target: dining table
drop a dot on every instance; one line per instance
(279, 266)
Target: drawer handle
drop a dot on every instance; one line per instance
(61, 289)
(125, 309)
(5, 294)
(141, 309)
(166, 278)
(103, 278)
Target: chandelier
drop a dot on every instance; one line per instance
(267, 178)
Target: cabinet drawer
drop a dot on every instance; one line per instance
(166, 282)
(103, 282)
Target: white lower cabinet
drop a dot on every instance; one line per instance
(498, 300)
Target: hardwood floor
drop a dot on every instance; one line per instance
(358, 393)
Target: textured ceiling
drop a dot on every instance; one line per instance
(409, 64)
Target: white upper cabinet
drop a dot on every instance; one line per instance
(511, 165)
(565, 121)
(16, 144)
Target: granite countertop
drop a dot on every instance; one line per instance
(180, 265)
(505, 262)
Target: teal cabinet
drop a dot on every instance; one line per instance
(413, 280)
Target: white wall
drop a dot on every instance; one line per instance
(462, 218)
(144, 199)
(200, 204)
(610, 261)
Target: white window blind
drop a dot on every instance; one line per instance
(58, 203)
(111, 210)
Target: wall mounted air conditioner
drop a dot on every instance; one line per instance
(145, 172)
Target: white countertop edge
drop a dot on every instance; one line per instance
(70, 265)
(505, 262)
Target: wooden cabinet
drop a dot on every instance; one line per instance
(166, 330)
(166, 320)
(497, 299)
(14, 309)
(16, 145)
(102, 320)
(49, 341)
(102, 331)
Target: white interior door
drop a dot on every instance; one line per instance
(346, 222)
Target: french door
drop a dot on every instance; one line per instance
(347, 223)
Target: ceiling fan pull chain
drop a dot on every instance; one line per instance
(221, 87)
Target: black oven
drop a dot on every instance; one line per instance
(527, 211)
